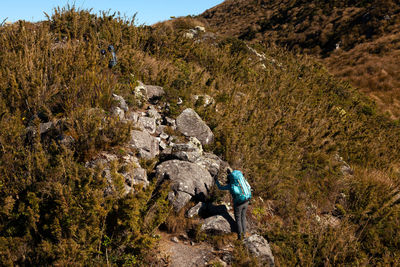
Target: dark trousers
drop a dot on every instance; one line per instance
(240, 217)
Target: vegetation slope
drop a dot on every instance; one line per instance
(282, 124)
(366, 33)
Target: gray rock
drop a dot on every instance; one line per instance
(153, 113)
(140, 90)
(216, 225)
(187, 180)
(132, 117)
(190, 124)
(154, 93)
(149, 124)
(210, 162)
(170, 122)
(258, 246)
(195, 210)
(188, 35)
(163, 145)
(128, 189)
(118, 112)
(190, 151)
(200, 28)
(204, 100)
(121, 103)
(160, 130)
(146, 144)
(136, 176)
(345, 168)
(164, 136)
(46, 127)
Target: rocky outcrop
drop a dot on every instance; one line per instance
(260, 248)
(188, 180)
(190, 124)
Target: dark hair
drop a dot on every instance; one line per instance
(228, 172)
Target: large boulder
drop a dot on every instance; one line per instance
(188, 180)
(190, 124)
(258, 246)
(145, 144)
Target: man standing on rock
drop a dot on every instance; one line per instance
(241, 194)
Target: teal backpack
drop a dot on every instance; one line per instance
(240, 188)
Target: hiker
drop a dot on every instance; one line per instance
(241, 194)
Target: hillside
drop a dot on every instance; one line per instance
(322, 160)
(357, 40)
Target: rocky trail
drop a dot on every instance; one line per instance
(179, 251)
(176, 147)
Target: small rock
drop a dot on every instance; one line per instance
(200, 28)
(164, 136)
(188, 35)
(204, 100)
(121, 102)
(153, 113)
(132, 117)
(45, 127)
(170, 122)
(195, 210)
(160, 129)
(118, 112)
(184, 236)
(163, 145)
(175, 239)
(149, 124)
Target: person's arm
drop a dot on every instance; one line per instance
(220, 187)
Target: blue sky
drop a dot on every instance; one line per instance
(149, 11)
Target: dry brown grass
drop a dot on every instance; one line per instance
(366, 31)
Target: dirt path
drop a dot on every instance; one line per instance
(181, 253)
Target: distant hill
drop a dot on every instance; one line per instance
(357, 40)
